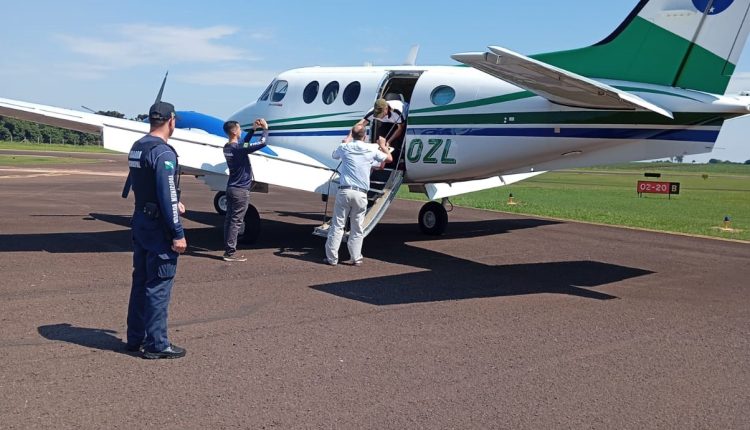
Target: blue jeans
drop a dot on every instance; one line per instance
(237, 201)
(154, 269)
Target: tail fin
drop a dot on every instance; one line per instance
(691, 44)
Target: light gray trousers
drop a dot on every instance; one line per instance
(353, 204)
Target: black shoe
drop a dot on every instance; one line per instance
(134, 348)
(172, 351)
(234, 257)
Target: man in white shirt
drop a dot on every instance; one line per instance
(357, 159)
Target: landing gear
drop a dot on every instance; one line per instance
(250, 227)
(220, 203)
(433, 219)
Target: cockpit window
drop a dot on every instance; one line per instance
(266, 93)
(310, 92)
(279, 91)
(330, 92)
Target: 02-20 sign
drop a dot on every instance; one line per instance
(657, 187)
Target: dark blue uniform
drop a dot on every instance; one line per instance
(240, 171)
(155, 223)
(238, 187)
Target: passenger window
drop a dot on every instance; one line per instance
(263, 97)
(351, 93)
(330, 92)
(310, 92)
(279, 91)
(442, 95)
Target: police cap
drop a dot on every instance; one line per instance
(161, 111)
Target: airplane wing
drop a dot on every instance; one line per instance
(199, 153)
(553, 83)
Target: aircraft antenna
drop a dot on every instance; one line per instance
(411, 59)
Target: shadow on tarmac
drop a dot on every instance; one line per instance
(444, 277)
(461, 279)
(94, 338)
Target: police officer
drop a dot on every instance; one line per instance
(158, 236)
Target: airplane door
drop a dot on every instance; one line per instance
(397, 89)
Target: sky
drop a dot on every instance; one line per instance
(221, 55)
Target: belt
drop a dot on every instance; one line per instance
(349, 187)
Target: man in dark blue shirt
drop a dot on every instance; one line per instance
(240, 181)
(158, 236)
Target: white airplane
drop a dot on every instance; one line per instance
(652, 89)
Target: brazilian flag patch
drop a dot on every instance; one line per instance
(169, 165)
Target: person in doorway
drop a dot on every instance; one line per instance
(240, 181)
(387, 119)
(357, 159)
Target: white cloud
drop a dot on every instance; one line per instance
(233, 78)
(139, 44)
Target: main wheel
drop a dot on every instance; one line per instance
(433, 219)
(250, 227)
(220, 203)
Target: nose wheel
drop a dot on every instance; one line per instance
(220, 203)
(433, 219)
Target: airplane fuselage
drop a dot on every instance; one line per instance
(463, 124)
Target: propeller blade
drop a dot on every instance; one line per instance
(161, 90)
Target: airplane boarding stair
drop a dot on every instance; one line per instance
(384, 185)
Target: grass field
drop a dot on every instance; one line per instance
(35, 160)
(607, 195)
(28, 146)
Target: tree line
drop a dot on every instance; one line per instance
(15, 130)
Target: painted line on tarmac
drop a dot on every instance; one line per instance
(21, 173)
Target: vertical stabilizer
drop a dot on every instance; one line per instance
(691, 44)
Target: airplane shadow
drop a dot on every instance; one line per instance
(94, 338)
(456, 279)
(445, 277)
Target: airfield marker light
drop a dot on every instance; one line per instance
(727, 222)
(510, 199)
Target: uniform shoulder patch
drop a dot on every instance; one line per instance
(169, 165)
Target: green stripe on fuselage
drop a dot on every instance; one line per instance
(481, 102)
(583, 117)
(541, 118)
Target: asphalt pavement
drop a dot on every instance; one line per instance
(506, 321)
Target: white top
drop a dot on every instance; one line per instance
(357, 160)
(395, 116)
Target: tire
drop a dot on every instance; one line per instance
(250, 229)
(433, 219)
(220, 203)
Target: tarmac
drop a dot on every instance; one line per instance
(506, 321)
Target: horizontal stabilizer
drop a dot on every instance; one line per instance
(554, 84)
(443, 190)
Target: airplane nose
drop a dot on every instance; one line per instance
(247, 114)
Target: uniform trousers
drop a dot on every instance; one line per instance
(154, 269)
